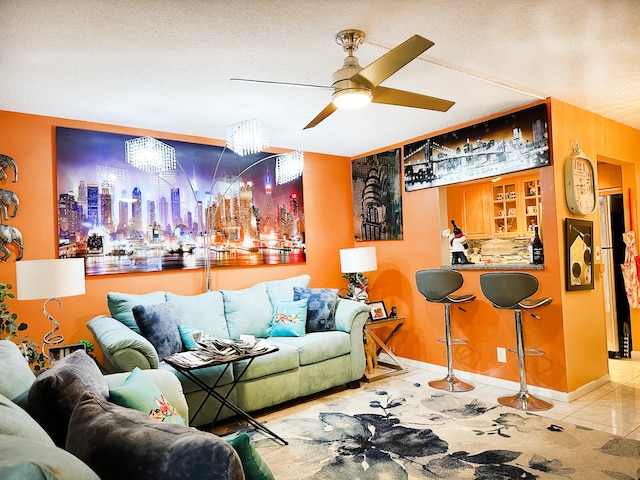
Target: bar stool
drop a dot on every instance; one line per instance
(437, 286)
(511, 291)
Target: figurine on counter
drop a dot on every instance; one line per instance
(458, 245)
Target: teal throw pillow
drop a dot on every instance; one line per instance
(321, 303)
(289, 319)
(186, 334)
(159, 324)
(252, 464)
(121, 305)
(142, 394)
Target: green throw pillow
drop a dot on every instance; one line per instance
(252, 464)
(289, 319)
(140, 393)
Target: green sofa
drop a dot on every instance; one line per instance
(303, 365)
(62, 425)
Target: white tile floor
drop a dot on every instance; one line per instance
(613, 408)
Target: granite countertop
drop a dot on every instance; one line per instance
(493, 266)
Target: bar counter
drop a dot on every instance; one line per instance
(494, 266)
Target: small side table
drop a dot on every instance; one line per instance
(385, 369)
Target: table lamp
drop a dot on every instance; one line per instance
(50, 279)
(353, 262)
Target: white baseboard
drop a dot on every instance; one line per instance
(508, 384)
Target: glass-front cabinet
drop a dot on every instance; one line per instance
(507, 208)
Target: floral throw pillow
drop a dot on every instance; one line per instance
(289, 319)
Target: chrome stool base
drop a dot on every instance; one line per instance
(451, 384)
(526, 402)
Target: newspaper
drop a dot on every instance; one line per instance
(215, 350)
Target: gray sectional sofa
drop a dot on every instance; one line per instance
(303, 365)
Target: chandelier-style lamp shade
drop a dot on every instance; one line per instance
(289, 166)
(353, 262)
(150, 155)
(50, 279)
(247, 137)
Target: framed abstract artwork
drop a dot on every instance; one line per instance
(578, 255)
(210, 201)
(377, 198)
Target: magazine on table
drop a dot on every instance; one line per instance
(214, 349)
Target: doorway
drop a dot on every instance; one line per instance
(617, 314)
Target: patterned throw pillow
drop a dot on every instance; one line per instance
(321, 303)
(159, 324)
(289, 319)
(142, 394)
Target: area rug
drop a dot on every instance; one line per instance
(406, 430)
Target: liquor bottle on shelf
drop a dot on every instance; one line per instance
(537, 249)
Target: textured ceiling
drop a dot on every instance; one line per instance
(166, 65)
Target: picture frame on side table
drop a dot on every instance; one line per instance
(58, 353)
(578, 254)
(378, 311)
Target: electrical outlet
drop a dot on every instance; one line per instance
(502, 355)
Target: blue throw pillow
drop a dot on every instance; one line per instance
(159, 325)
(142, 394)
(321, 303)
(289, 319)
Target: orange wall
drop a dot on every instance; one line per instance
(571, 331)
(30, 140)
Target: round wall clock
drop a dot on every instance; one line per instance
(580, 182)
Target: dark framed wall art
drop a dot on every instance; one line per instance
(578, 254)
(123, 219)
(513, 142)
(377, 197)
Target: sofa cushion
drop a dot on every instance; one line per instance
(122, 443)
(248, 311)
(285, 359)
(159, 324)
(289, 318)
(17, 377)
(282, 290)
(140, 393)
(252, 464)
(28, 459)
(56, 391)
(315, 347)
(121, 305)
(204, 311)
(15, 421)
(321, 303)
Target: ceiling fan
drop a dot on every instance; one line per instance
(354, 86)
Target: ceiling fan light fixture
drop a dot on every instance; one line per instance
(352, 98)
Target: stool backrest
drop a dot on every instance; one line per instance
(508, 289)
(436, 284)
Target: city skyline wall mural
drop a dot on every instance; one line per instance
(510, 143)
(377, 198)
(123, 219)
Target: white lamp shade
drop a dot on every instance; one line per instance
(38, 279)
(355, 260)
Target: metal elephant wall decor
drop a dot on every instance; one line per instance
(8, 198)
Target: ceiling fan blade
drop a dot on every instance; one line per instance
(286, 84)
(328, 110)
(379, 70)
(391, 96)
